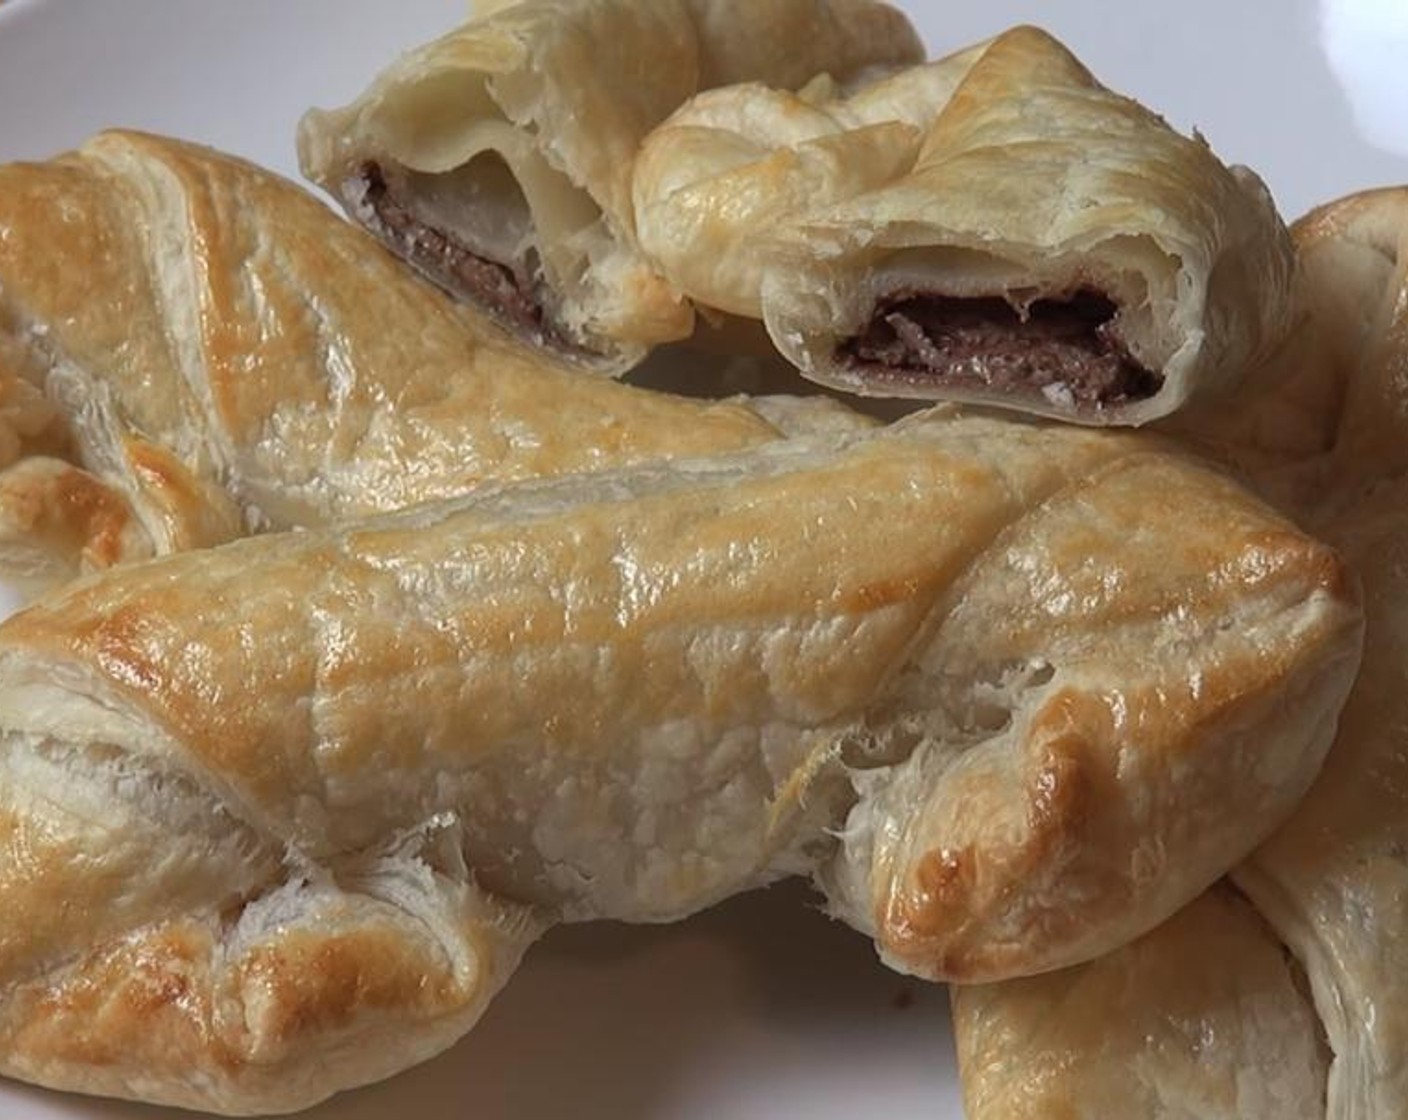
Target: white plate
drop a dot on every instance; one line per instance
(763, 1008)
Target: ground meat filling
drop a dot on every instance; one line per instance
(1062, 350)
(507, 291)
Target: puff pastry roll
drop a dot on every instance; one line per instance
(1205, 1016)
(258, 363)
(294, 771)
(497, 159)
(1051, 246)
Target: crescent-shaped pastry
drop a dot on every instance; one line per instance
(1054, 248)
(497, 159)
(1206, 1016)
(257, 363)
(309, 795)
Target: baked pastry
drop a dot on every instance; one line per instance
(1334, 881)
(1056, 247)
(1046, 244)
(713, 184)
(58, 521)
(1205, 1016)
(1121, 1036)
(1318, 421)
(256, 363)
(1332, 884)
(310, 795)
(1355, 250)
(497, 159)
(1045, 703)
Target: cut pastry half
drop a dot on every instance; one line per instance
(497, 159)
(1038, 242)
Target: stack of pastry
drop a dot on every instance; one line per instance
(376, 627)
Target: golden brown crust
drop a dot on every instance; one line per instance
(1324, 432)
(1334, 881)
(68, 510)
(1152, 1031)
(1059, 807)
(1356, 256)
(628, 695)
(258, 363)
(1318, 422)
(1329, 887)
(1034, 183)
(172, 1015)
(733, 167)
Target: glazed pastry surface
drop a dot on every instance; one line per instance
(1334, 881)
(1331, 885)
(713, 184)
(1204, 1016)
(255, 364)
(995, 227)
(322, 788)
(1356, 252)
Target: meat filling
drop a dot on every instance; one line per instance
(508, 291)
(1062, 350)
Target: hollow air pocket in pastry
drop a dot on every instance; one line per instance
(497, 159)
(307, 796)
(1054, 248)
(257, 363)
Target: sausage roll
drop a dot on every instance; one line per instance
(308, 796)
(497, 160)
(1332, 885)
